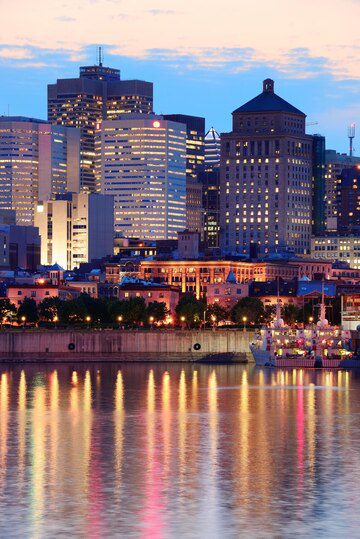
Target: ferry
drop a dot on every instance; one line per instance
(314, 346)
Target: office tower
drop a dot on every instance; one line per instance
(20, 246)
(318, 185)
(195, 159)
(98, 94)
(210, 180)
(336, 248)
(37, 161)
(265, 178)
(335, 163)
(212, 149)
(141, 160)
(348, 201)
(75, 228)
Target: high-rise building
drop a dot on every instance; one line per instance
(141, 160)
(318, 185)
(98, 94)
(195, 160)
(37, 161)
(76, 228)
(210, 180)
(337, 249)
(212, 148)
(348, 201)
(335, 163)
(266, 178)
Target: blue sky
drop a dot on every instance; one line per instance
(203, 60)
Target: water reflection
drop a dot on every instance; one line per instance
(169, 451)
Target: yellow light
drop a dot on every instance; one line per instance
(23, 318)
(88, 318)
(156, 123)
(120, 318)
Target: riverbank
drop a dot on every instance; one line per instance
(125, 345)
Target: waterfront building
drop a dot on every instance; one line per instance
(212, 149)
(195, 275)
(318, 185)
(266, 178)
(16, 293)
(150, 292)
(195, 162)
(37, 161)
(226, 294)
(335, 164)
(337, 248)
(350, 312)
(98, 94)
(141, 161)
(76, 228)
(348, 201)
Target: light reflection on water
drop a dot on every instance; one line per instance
(178, 451)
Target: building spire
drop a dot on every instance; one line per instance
(268, 86)
(100, 56)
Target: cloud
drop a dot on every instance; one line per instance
(298, 42)
(15, 53)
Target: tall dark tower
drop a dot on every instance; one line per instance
(97, 94)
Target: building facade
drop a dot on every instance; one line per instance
(195, 162)
(335, 164)
(337, 248)
(210, 180)
(37, 161)
(76, 228)
(212, 149)
(318, 185)
(98, 94)
(348, 201)
(266, 178)
(141, 161)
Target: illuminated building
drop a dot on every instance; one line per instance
(195, 275)
(212, 149)
(195, 162)
(337, 248)
(141, 161)
(348, 201)
(335, 163)
(266, 178)
(20, 245)
(98, 94)
(37, 161)
(75, 228)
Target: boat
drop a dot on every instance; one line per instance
(315, 346)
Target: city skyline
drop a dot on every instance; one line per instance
(196, 68)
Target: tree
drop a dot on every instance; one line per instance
(216, 313)
(157, 310)
(73, 311)
(134, 310)
(191, 309)
(49, 309)
(7, 309)
(28, 310)
(291, 314)
(269, 314)
(250, 308)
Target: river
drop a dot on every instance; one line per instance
(168, 451)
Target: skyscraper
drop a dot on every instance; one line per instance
(212, 148)
(141, 160)
(348, 201)
(37, 161)
(335, 164)
(98, 94)
(210, 180)
(195, 159)
(318, 175)
(75, 228)
(266, 178)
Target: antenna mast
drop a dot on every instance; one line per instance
(100, 57)
(351, 136)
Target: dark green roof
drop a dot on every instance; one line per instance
(268, 101)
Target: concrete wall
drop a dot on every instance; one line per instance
(124, 345)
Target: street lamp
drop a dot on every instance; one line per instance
(151, 320)
(182, 319)
(55, 320)
(311, 319)
(23, 320)
(213, 319)
(88, 319)
(244, 319)
(119, 319)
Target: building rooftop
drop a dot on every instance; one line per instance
(268, 101)
(22, 119)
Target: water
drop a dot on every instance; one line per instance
(168, 451)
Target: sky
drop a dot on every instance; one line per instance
(205, 57)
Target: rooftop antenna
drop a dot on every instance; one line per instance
(100, 57)
(351, 136)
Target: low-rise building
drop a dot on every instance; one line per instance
(350, 314)
(227, 294)
(16, 293)
(131, 288)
